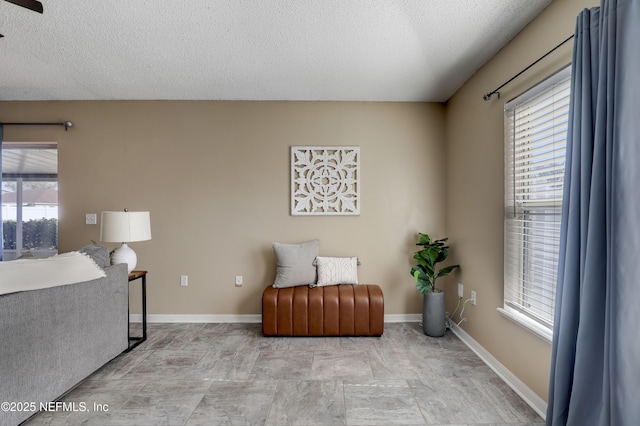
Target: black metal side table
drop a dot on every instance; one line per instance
(134, 275)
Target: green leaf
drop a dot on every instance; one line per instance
(442, 256)
(424, 239)
(420, 259)
(446, 270)
(432, 252)
(423, 288)
(416, 275)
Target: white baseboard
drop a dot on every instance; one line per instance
(254, 318)
(529, 396)
(403, 318)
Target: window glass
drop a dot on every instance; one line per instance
(29, 200)
(535, 146)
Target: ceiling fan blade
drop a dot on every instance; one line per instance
(34, 5)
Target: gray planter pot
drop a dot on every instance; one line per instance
(433, 316)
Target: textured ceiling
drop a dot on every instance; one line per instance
(345, 50)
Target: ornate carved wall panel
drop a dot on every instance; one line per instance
(325, 180)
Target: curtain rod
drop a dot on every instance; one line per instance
(487, 96)
(66, 124)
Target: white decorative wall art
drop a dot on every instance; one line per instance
(325, 180)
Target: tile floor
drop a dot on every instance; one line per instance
(228, 374)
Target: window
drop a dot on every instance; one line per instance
(535, 146)
(29, 199)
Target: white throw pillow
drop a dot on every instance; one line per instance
(337, 270)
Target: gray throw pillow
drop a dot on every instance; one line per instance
(295, 263)
(99, 254)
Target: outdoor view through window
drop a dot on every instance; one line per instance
(29, 200)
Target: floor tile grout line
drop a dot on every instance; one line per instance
(412, 343)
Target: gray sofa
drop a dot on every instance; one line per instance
(51, 339)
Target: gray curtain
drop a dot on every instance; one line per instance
(595, 365)
(1, 230)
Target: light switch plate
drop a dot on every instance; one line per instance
(90, 219)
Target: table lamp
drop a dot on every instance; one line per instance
(125, 227)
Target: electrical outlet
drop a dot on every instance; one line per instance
(460, 291)
(238, 280)
(473, 297)
(184, 280)
(90, 219)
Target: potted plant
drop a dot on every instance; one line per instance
(425, 274)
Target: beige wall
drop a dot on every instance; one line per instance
(475, 187)
(215, 177)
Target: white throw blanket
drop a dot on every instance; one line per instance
(33, 274)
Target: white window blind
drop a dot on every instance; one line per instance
(535, 146)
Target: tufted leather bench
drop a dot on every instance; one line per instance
(336, 310)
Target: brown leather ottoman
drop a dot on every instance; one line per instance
(336, 310)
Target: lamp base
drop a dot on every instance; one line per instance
(125, 254)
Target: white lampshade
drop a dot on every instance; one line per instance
(125, 227)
